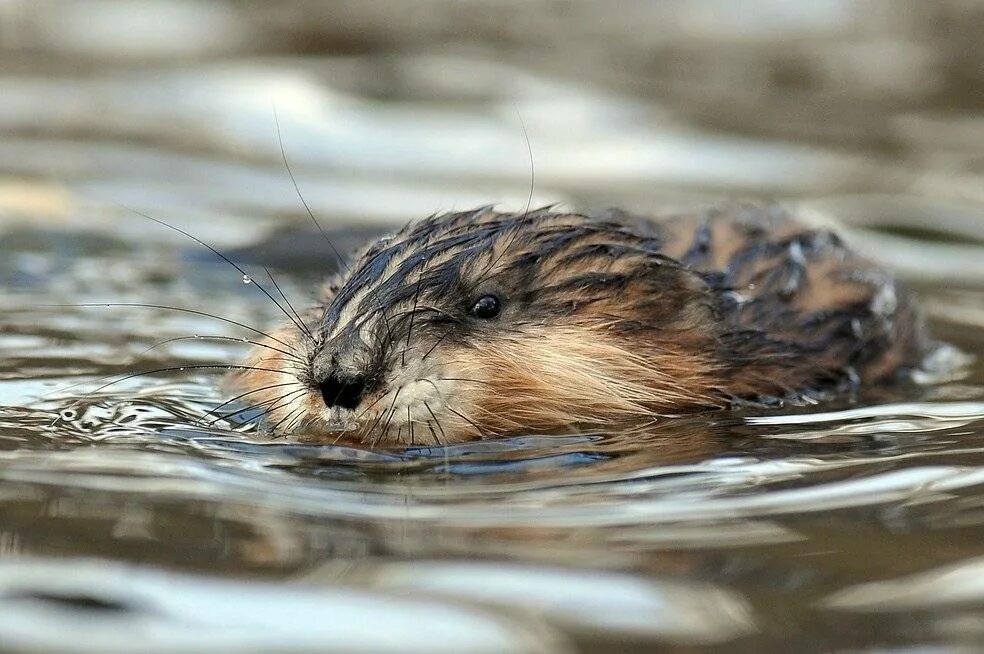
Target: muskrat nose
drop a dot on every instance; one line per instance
(343, 391)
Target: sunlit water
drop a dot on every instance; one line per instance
(843, 525)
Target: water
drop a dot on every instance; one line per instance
(127, 511)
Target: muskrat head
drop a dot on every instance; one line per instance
(478, 324)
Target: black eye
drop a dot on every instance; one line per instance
(487, 306)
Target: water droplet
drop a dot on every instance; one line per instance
(247, 279)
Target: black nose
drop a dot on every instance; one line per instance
(345, 392)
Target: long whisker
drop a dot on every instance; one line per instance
(481, 432)
(294, 423)
(284, 399)
(185, 368)
(210, 337)
(436, 422)
(211, 412)
(434, 346)
(413, 313)
(68, 387)
(107, 305)
(299, 322)
(529, 150)
(433, 433)
(385, 428)
(266, 411)
(173, 369)
(526, 212)
(384, 313)
(379, 416)
(366, 410)
(290, 416)
(242, 271)
(297, 189)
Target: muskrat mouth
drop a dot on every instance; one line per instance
(383, 413)
(340, 421)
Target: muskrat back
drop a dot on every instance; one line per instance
(477, 324)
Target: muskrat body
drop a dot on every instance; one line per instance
(479, 324)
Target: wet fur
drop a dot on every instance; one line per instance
(607, 320)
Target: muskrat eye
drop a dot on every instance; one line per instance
(486, 307)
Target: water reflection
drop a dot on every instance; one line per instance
(85, 606)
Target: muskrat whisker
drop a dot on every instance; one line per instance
(140, 305)
(464, 379)
(295, 368)
(242, 271)
(282, 400)
(168, 369)
(210, 366)
(481, 432)
(379, 417)
(300, 322)
(526, 212)
(529, 150)
(293, 418)
(434, 346)
(433, 433)
(295, 422)
(293, 414)
(211, 412)
(506, 247)
(436, 422)
(389, 419)
(410, 423)
(413, 313)
(441, 395)
(389, 328)
(212, 337)
(297, 189)
(366, 410)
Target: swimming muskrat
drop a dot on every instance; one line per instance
(477, 324)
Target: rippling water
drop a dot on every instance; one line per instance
(127, 508)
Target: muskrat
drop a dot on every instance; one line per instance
(478, 324)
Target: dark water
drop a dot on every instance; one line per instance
(131, 521)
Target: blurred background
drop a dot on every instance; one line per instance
(837, 528)
(391, 110)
